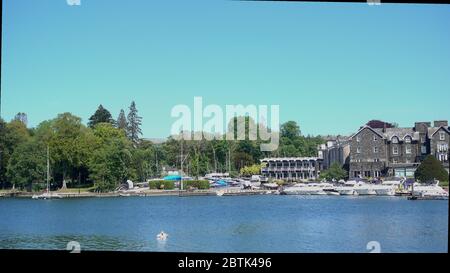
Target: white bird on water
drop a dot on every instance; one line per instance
(162, 236)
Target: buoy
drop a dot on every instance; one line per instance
(162, 236)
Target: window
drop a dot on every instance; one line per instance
(375, 149)
(395, 161)
(358, 139)
(358, 150)
(408, 139)
(376, 173)
(376, 160)
(408, 149)
(394, 140)
(424, 149)
(408, 160)
(367, 173)
(442, 148)
(374, 138)
(395, 150)
(441, 135)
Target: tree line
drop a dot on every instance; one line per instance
(106, 152)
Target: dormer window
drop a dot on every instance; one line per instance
(408, 139)
(394, 140)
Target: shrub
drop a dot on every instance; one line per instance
(161, 184)
(199, 184)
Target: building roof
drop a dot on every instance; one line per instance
(290, 158)
(433, 130)
(376, 131)
(401, 133)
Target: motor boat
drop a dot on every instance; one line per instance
(428, 190)
(331, 191)
(308, 189)
(346, 188)
(387, 188)
(46, 195)
(363, 188)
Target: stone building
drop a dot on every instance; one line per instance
(376, 152)
(334, 150)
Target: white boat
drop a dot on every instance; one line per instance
(220, 192)
(347, 188)
(429, 190)
(362, 188)
(46, 195)
(331, 191)
(387, 188)
(308, 189)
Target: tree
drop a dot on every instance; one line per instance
(27, 164)
(22, 117)
(254, 169)
(122, 122)
(290, 130)
(12, 134)
(100, 115)
(110, 163)
(134, 124)
(334, 172)
(431, 169)
(64, 141)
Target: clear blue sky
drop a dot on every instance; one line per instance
(330, 67)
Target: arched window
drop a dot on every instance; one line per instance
(408, 139)
(394, 139)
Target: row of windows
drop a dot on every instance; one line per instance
(395, 139)
(395, 150)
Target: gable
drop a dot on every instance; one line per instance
(366, 128)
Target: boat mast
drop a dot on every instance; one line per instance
(48, 169)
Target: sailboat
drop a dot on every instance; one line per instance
(47, 194)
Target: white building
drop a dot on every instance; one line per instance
(292, 168)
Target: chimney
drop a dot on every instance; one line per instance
(422, 127)
(439, 123)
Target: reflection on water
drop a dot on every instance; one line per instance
(231, 224)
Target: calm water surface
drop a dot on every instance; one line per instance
(227, 224)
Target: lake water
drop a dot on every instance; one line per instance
(226, 224)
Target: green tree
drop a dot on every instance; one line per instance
(334, 172)
(290, 130)
(110, 163)
(122, 122)
(12, 135)
(254, 169)
(134, 124)
(27, 164)
(22, 117)
(100, 115)
(431, 169)
(64, 141)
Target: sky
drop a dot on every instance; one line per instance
(331, 67)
